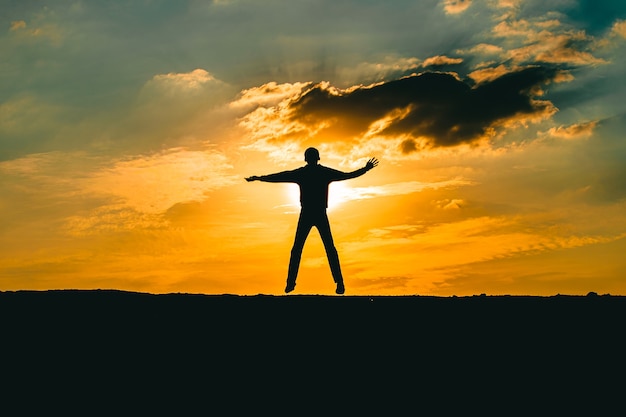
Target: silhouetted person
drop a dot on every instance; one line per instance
(313, 180)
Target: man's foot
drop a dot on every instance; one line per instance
(290, 287)
(340, 288)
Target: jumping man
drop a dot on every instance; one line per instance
(313, 180)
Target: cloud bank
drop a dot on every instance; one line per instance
(427, 110)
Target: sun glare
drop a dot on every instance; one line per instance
(338, 193)
(292, 192)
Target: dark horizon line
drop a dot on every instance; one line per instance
(261, 295)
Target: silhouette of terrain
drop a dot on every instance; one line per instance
(261, 350)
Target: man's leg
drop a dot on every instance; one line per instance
(331, 252)
(302, 231)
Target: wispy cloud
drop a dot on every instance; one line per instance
(43, 28)
(441, 60)
(471, 241)
(115, 195)
(450, 204)
(17, 25)
(619, 28)
(388, 67)
(577, 130)
(401, 188)
(269, 94)
(482, 49)
(154, 183)
(456, 6)
(547, 41)
(183, 87)
(186, 81)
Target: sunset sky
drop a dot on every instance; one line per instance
(127, 128)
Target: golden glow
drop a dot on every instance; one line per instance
(292, 192)
(394, 235)
(136, 181)
(339, 192)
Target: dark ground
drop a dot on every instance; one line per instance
(372, 355)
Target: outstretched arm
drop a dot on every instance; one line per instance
(373, 162)
(285, 176)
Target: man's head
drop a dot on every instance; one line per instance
(311, 156)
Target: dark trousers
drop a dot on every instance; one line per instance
(308, 219)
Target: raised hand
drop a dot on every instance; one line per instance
(252, 178)
(371, 163)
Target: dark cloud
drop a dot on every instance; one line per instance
(438, 107)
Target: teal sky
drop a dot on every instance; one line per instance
(126, 128)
